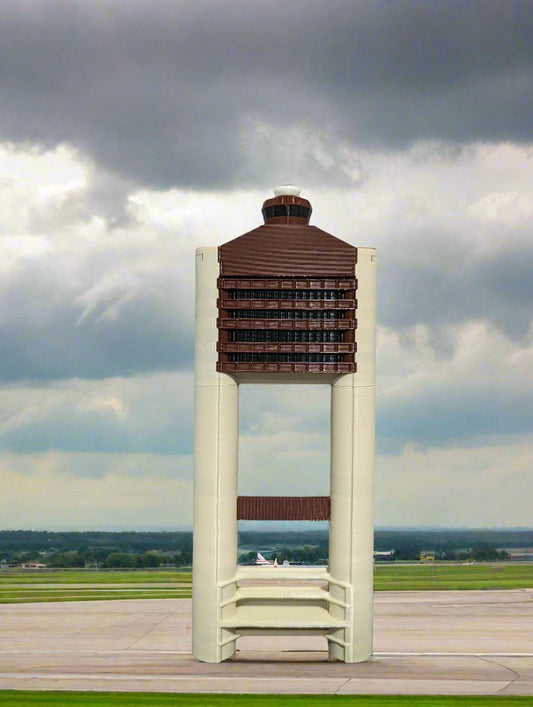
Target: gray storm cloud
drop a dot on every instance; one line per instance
(164, 93)
(456, 286)
(48, 333)
(139, 415)
(460, 417)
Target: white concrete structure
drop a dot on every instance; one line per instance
(225, 606)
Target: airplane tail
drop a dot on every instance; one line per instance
(261, 560)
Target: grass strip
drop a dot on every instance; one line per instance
(94, 576)
(15, 698)
(427, 577)
(36, 597)
(20, 586)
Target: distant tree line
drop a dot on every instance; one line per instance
(156, 549)
(449, 545)
(97, 549)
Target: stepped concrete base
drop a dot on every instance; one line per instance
(425, 643)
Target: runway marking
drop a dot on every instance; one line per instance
(129, 651)
(121, 651)
(473, 655)
(177, 678)
(517, 676)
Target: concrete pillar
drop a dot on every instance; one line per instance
(352, 469)
(216, 431)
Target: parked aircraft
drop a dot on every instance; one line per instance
(267, 563)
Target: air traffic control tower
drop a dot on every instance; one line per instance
(284, 303)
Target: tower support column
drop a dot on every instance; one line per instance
(351, 531)
(216, 439)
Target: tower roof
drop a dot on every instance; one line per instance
(287, 245)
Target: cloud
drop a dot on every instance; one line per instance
(62, 490)
(284, 440)
(54, 332)
(486, 486)
(143, 415)
(164, 93)
(481, 392)
(459, 286)
(82, 297)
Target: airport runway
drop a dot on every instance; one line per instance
(476, 642)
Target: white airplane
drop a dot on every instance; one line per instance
(266, 563)
(261, 561)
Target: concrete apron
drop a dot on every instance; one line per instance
(455, 643)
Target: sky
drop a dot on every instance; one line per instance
(132, 133)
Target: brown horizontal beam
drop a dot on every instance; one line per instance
(270, 367)
(284, 347)
(290, 324)
(226, 303)
(283, 507)
(225, 283)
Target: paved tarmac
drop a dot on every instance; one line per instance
(476, 642)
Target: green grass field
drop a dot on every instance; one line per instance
(22, 576)
(456, 576)
(108, 699)
(24, 586)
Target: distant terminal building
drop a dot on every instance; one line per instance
(284, 303)
(519, 554)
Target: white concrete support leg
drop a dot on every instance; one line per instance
(351, 541)
(351, 523)
(215, 476)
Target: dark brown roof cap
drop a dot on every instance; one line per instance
(285, 250)
(287, 245)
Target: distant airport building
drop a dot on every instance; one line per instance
(284, 303)
(523, 554)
